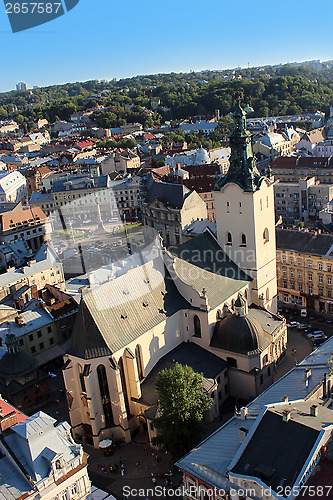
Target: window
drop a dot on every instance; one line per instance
(321, 292)
(310, 290)
(139, 362)
(320, 266)
(51, 341)
(39, 334)
(41, 345)
(299, 262)
(291, 262)
(229, 238)
(320, 278)
(243, 240)
(310, 276)
(74, 489)
(232, 362)
(197, 326)
(266, 235)
(49, 329)
(329, 280)
(329, 293)
(310, 264)
(105, 395)
(284, 260)
(284, 272)
(21, 342)
(33, 349)
(58, 466)
(299, 276)
(300, 287)
(329, 268)
(285, 284)
(291, 274)
(31, 337)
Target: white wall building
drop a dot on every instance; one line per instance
(13, 187)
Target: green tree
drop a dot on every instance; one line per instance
(182, 404)
(3, 113)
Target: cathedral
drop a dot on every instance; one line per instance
(210, 303)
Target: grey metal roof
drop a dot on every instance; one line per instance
(13, 483)
(304, 242)
(205, 252)
(277, 451)
(35, 437)
(218, 288)
(186, 353)
(75, 182)
(172, 195)
(116, 313)
(32, 320)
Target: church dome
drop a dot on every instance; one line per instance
(238, 333)
(16, 363)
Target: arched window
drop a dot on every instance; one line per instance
(218, 315)
(124, 385)
(139, 362)
(197, 326)
(82, 381)
(58, 464)
(243, 240)
(105, 395)
(229, 238)
(267, 293)
(266, 235)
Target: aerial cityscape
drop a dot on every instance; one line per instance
(166, 252)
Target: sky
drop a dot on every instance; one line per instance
(104, 39)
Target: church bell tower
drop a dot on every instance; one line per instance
(245, 215)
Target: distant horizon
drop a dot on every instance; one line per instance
(110, 79)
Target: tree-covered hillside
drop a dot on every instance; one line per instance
(270, 91)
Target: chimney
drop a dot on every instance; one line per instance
(286, 415)
(314, 410)
(285, 399)
(324, 386)
(307, 373)
(244, 412)
(243, 432)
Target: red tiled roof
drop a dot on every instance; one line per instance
(11, 219)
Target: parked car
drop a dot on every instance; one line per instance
(293, 324)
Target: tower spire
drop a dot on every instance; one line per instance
(243, 169)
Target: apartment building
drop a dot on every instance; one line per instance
(13, 187)
(305, 269)
(169, 209)
(44, 268)
(292, 168)
(29, 225)
(275, 144)
(302, 200)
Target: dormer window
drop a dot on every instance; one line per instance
(229, 238)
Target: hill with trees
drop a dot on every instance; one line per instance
(269, 91)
